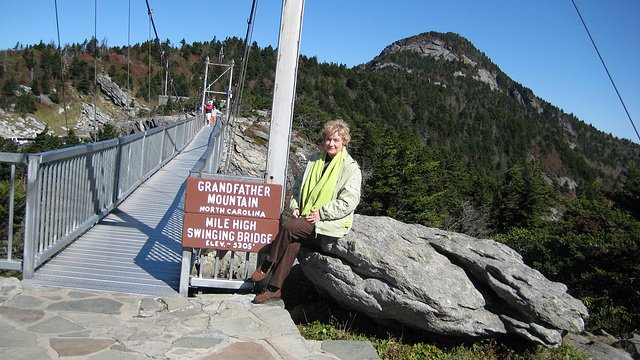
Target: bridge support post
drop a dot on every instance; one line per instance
(284, 92)
(31, 213)
(185, 271)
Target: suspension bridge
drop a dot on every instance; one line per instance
(136, 249)
(108, 215)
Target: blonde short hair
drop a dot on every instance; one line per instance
(339, 126)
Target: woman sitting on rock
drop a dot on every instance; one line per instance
(323, 200)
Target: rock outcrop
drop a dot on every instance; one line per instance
(118, 107)
(249, 153)
(600, 350)
(441, 282)
(119, 97)
(89, 114)
(21, 127)
(437, 49)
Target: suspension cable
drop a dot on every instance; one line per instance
(245, 57)
(240, 85)
(149, 59)
(129, 53)
(606, 69)
(163, 57)
(64, 100)
(95, 71)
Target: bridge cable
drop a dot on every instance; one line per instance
(606, 69)
(245, 56)
(95, 70)
(64, 100)
(129, 54)
(149, 69)
(163, 57)
(241, 80)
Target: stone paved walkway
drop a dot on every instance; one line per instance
(58, 323)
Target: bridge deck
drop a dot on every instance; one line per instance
(137, 248)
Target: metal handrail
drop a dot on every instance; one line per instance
(9, 263)
(69, 190)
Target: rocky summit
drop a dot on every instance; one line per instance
(441, 282)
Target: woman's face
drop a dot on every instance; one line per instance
(333, 144)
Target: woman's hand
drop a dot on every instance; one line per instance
(314, 217)
(296, 213)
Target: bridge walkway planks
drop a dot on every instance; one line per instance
(137, 248)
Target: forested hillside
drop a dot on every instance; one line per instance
(446, 140)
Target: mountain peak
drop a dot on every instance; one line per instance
(429, 44)
(449, 58)
(441, 47)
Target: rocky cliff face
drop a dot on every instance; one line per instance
(249, 151)
(119, 98)
(117, 107)
(117, 101)
(437, 49)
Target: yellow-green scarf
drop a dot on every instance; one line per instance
(318, 187)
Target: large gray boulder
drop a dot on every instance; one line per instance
(441, 282)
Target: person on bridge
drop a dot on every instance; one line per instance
(323, 201)
(214, 115)
(208, 107)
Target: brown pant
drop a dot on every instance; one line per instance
(284, 249)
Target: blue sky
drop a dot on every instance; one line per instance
(540, 44)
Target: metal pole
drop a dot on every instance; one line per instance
(29, 251)
(11, 206)
(185, 271)
(204, 87)
(95, 72)
(284, 92)
(229, 93)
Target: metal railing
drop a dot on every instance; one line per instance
(69, 190)
(210, 161)
(9, 263)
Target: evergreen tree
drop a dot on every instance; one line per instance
(108, 132)
(26, 104)
(523, 198)
(72, 139)
(44, 142)
(405, 183)
(10, 87)
(35, 87)
(45, 82)
(29, 58)
(628, 193)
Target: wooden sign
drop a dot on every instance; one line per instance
(233, 198)
(228, 233)
(230, 215)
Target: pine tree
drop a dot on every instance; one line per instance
(72, 139)
(108, 132)
(628, 193)
(523, 198)
(44, 142)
